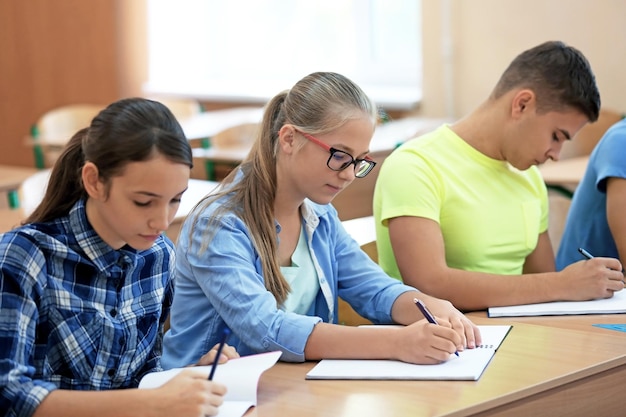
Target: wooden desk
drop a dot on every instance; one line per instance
(10, 218)
(209, 123)
(232, 156)
(567, 172)
(538, 371)
(11, 177)
(571, 322)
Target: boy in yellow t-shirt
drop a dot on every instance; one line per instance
(462, 212)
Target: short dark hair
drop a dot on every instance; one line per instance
(560, 76)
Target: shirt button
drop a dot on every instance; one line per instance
(122, 341)
(113, 312)
(111, 372)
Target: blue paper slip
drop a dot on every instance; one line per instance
(618, 327)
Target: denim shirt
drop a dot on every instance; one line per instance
(222, 285)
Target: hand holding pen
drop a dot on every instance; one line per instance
(597, 277)
(587, 255)
(427, 314)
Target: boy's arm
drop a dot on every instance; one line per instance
(420, 253)
(615, 203)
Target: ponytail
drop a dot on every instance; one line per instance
(65, 185)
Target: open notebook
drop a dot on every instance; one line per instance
(615, 304)
(241, 377)
(469, 365)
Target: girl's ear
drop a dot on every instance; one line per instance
(286, 138)
(91, 181)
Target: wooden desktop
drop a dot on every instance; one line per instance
(539, 370)
(567, 172)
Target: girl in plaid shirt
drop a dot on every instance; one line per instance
(86, 283)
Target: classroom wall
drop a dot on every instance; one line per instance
(52, 53)
(68, 51)
(481, 37)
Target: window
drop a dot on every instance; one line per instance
(249, 50)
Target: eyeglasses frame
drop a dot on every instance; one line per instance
(332, 151)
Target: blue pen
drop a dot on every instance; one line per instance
(219, 352)
(585, 253)
(427, 314)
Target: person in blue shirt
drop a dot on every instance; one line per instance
(86, 282)
(267, 256)
(595, 219)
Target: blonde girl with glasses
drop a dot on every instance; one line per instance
(268, 257)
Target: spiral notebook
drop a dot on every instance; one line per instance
(613, 305)
(468, 366)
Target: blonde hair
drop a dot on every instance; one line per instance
(319, 103)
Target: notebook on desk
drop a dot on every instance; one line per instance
(468, 366)
(241, 377)
(613, 305)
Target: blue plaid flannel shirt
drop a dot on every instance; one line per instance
(76, 314)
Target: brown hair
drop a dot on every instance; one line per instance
(560, 76)
(128, 130)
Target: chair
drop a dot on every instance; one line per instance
(227, 149)
(182, 108)
(32, 191)
(588, 137)
(56, 127)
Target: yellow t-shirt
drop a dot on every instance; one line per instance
(490, 213)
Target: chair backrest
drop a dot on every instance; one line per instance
(56, 127)
(589, 135)
(32, 191)
(182, 108)
(237, 137)
(61, 123)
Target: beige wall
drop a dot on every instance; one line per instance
(69, 51)
(485, 35)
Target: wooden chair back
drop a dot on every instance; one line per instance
(56, 127)
(584, 142)
(182, 108)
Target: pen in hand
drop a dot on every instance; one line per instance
(589, 256)
(585, 253)
(219, 352)
(427, 314)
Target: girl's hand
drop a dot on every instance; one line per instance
(228, 352)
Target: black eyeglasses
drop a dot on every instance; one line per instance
(340, 160)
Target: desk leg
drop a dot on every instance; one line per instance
(208, 165)
(14, 199)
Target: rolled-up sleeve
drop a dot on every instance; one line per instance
(229, 275)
